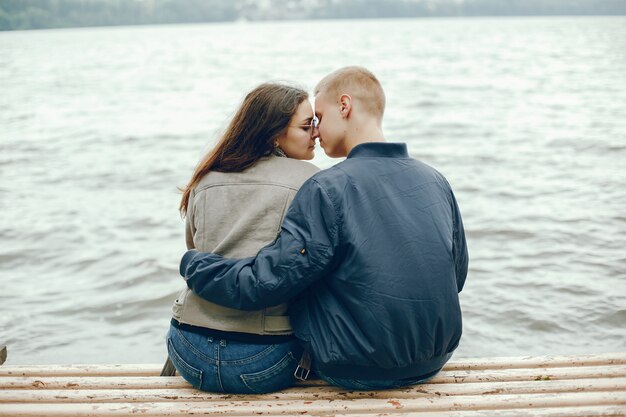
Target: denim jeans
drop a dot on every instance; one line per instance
(220, 365)
(369, 385)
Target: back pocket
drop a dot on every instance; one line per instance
(191, 374)
(278, 376)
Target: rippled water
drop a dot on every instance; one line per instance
(526, 118)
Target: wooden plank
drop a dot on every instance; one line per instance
(81, 370)
(594, 411)
(586, 411)
(618, 358)
(86, 382)
(533, 374)
(444, 377)
(312, 394)
(323, 407)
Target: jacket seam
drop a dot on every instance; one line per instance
(380, 156)
(226, 184)
(335, 233)
(282, 214)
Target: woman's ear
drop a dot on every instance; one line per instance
(345, 105)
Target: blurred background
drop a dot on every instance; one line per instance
(105, 112)
(39, 14)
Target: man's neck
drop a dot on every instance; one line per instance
(358, 136)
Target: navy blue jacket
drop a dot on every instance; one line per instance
(377, 242)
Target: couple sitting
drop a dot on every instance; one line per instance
(351, 272)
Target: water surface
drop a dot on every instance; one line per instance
(526, 117)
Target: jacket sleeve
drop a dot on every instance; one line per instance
(299, 256)
(459, 248)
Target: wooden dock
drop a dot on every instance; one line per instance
(584, 385)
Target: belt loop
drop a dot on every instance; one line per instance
(304, 367)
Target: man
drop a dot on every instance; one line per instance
(371, 254)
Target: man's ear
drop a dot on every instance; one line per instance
(345, 105)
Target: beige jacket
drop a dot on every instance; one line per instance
(235, 214)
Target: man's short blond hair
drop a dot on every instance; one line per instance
(360, 84)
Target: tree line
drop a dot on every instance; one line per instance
(42, 14)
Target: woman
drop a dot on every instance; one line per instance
(235, 203)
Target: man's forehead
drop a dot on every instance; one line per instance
(319, 101)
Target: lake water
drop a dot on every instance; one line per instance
(526, 117)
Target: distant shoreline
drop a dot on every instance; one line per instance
(62, 14)
(239, 21)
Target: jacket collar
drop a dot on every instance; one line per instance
(379, 150)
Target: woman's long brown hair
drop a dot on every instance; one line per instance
(262, 117)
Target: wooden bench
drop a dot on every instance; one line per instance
(586, 385)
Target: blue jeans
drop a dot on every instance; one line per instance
(369, 385)
(220, 365)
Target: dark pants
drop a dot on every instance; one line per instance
(369, 385)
